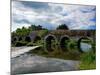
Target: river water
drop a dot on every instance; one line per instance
(28, 63)
(86, 47)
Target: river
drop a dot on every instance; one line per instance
(86, 47)
(29, 63)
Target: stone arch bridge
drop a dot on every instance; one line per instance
(59, 37)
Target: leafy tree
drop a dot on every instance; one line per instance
(34, 27)
(63, 26)
(22, 31)
(18, 31)
(25, 31)
(39, 27)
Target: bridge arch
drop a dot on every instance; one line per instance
(27, 39)
(80, 41)
(50, 42)
(20, 38)
(63, 42)
(36, 39)
(14, 39)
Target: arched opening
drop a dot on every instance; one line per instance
(20, 39)
(50, 42)
(84, 44)
(37, 39)
(13, 40)
(27, 39)
(64, 42)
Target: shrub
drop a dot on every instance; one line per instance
(88, 60)
(20, 43)
(42, 33)
(30, 44)
(72, 45)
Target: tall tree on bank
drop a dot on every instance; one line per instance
(62, 27)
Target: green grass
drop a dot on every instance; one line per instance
(88, 61)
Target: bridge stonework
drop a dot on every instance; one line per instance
(58, 36)
(72, 34)
(62, 35)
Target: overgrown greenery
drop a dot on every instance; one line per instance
(88, 60)
(25, 31)
(20, 43)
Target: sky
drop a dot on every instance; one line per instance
(51, 15)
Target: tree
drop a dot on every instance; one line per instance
(34, 27)
(39, 27)
(63, 26)
(22, 31)
(18, 31)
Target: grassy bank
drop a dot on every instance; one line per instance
(88, 61)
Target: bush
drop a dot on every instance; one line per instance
(72, 45)
(42, 33)
(88, 60)
(30, 44)
(20, 43)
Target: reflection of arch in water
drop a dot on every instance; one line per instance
(50, 42)
(27, 39)
(63, 42)
(37, 38)
(80, 40)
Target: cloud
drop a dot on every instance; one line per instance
(50, 15)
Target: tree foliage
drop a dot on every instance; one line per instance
(63, 26)
(34, 27)
(25, 31)
(22, 31)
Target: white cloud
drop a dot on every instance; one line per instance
(56, 14)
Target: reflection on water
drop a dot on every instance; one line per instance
(85, 47)
(28, 63)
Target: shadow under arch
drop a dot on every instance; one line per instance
(36, 39)
(27, 39)
(50, 42)
(64, 42)
(13, 40)
(80, 40)
(20, 39)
